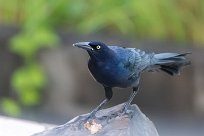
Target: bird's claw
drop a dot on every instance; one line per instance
(122, 111)
(125, 110)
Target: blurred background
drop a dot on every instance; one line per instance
(43, 78)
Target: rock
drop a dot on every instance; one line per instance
(108, 122)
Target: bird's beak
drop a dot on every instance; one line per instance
(83, 45)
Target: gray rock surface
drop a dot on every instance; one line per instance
(108, 122)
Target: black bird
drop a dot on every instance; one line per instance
(114, 66)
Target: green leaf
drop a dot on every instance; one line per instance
(28, 43)
(10, 107)
(30, 97)
(28, 82)
(28, 77)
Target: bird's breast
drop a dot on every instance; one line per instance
(110, 74)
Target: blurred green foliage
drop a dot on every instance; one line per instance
(29, 79)
(179, 20)
(10, 107)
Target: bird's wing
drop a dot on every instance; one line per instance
(135, 60)
(140, 60)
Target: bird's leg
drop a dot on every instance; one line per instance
(93, 112)
(86, 119)
(108, 94)
(127, 104)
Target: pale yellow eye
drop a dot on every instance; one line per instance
(98, 47)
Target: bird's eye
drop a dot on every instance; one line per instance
(98, 47)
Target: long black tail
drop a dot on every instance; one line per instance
(171, 63)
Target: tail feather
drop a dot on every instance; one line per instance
(171, 63)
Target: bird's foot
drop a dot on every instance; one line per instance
(125, 110)
(122, 112)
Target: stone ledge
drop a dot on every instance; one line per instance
(134, 123)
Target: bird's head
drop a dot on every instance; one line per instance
(95, 49)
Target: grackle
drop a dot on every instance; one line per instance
(114, 66)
